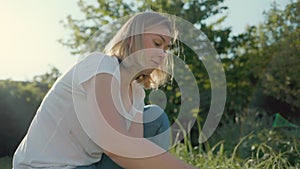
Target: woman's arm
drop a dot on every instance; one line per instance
(101, 89)
(119, 144)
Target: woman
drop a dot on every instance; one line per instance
(94, 115)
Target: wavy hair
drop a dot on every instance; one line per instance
(134, 28)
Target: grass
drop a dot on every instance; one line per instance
(216, 158)
(266, 149)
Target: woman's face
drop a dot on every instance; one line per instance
(155, 42)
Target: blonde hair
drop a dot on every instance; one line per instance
(134, 29)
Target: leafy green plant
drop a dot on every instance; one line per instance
(263, 156)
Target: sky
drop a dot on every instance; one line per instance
(29, 32)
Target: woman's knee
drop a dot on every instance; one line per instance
(154, 113)
(156, 124)
(155, 119)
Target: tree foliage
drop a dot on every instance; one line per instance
(101, 12)
(261, 71)
(282, 79)
(18, 104)
(19, 101)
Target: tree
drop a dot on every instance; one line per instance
(281, 81)
(102, 12)
(263, 59)
(18, 104)
(46, 80)
(19, 101)
(262, 71)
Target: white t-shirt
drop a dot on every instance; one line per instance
(57, 136)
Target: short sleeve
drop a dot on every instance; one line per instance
(94, 64)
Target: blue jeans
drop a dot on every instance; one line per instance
(155, 122)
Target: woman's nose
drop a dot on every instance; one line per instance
(162, 53)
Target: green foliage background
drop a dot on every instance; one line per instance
(262, 74)
(18, 104)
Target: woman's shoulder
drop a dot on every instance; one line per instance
(96, 63)
(99, 56)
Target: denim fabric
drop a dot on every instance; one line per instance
(155, 122)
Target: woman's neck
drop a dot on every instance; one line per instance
(126, 76)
